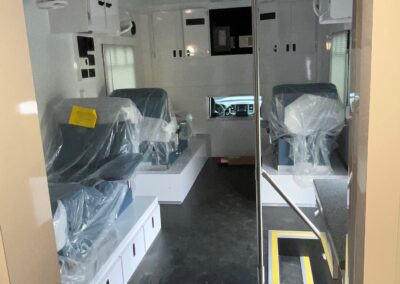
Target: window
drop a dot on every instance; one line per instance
(119, 67)
(340, 63)
(233, 106)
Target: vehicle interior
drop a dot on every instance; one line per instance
(202, 141)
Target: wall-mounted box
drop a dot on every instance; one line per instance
(231, 31)
(94, 16)
(335, 11)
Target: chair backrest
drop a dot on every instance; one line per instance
(152, 102)
(79, 151)
(284, 95)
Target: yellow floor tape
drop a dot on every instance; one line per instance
(308, 276)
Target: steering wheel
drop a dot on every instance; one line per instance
(219, 109)
(229, 111)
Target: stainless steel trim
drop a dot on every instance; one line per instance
(292, 205)
(256, 74)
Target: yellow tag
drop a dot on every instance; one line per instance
(83, 116)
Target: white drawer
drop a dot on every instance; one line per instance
(132, 255)
(152, 227)
(114, 275)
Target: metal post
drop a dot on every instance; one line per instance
(260, 233)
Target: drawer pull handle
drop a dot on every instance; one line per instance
(152, 221)
(101, 3)
(134, 249)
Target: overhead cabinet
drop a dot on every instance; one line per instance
(97, 16)
(181, 33)
(196, 35)
(287, 43)
(168, 34)
(287, 27)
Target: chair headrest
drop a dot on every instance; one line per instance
(152, 102)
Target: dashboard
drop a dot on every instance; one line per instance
(241, 110)
(232, 106)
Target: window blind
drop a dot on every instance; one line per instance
(339, 64)
(119, 67)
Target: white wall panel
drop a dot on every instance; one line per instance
(52, 57)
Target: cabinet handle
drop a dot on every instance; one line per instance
(174, 53)
(287, 47)
(108, 5)
(180, 53)
(152, 221)
(187, 52)
(101, 3)
(134, 249)
(294, 47)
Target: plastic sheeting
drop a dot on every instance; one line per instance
(92, 148)
(91, 236)
(108, 151)
(60, 225)
(308, 117)
(159, 128)
(185, 131)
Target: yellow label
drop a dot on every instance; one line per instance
(83, 116)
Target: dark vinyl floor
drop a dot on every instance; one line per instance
(211, 237)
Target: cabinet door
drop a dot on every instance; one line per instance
(97, 15)
(112, 16)
(304, 27)
(268, 30)
(133, 254)
(114, 275)
(284, 15)
(152, 227)
(196, 32)
(168, 39)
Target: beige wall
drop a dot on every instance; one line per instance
(25, 216)
(376, 155)
(3, 263)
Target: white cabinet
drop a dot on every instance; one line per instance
(168, 36)
(287, 27)
(179, 34)
(152, 227)
(303, 27)
(137, 228)
(287, 40)
(112, 17)
(132, 255)
(98, 16)
(196, 32)
(114, 275)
